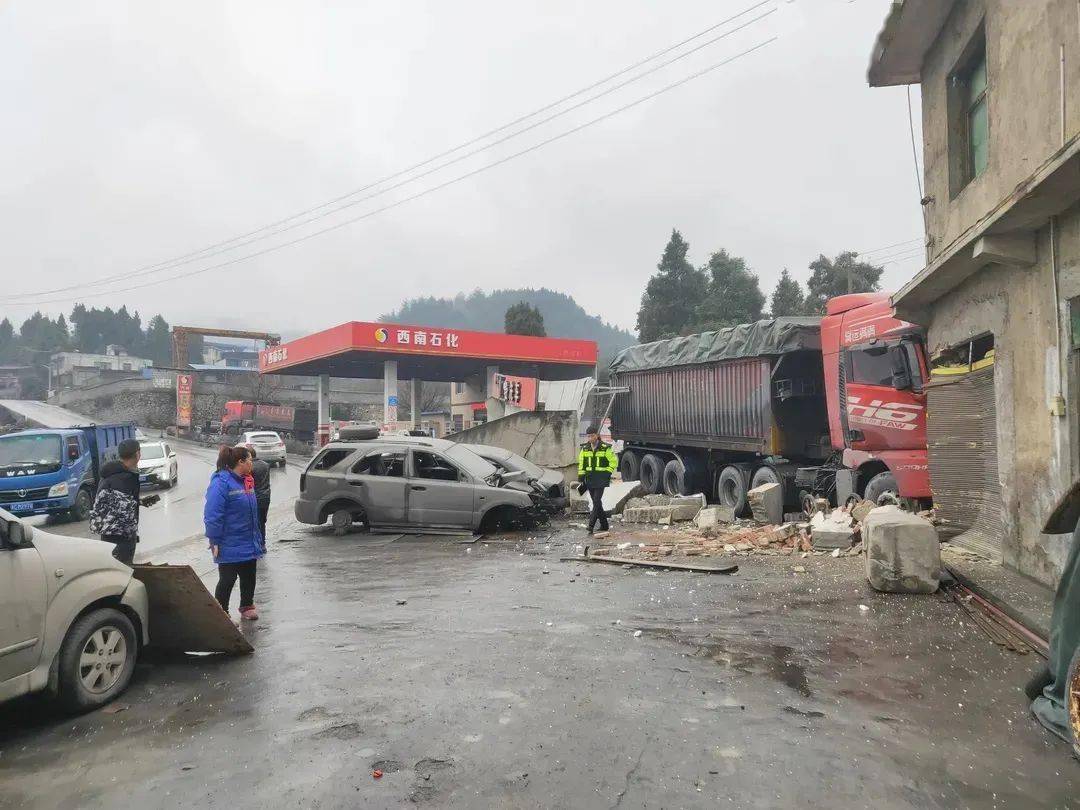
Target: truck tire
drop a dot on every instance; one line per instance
(675, 478)
(652, 473)
(765, 475)
(84, 502)
(629, 465)
(879, 485)
(731, 489)
(96, 660)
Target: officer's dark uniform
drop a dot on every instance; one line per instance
(595, 466)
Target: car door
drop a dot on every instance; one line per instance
(378, 482)
(440, 495)
(22, 609)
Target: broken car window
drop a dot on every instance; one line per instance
(433, 467)
(388, 463)
(330, 458)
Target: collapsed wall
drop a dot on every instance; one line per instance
(546, 438)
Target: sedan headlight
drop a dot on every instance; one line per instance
(58, 490)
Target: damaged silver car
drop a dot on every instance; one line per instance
(548, 484)
(412, 483)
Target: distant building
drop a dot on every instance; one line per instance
(999, 293)
(76, 369)
(13, 381)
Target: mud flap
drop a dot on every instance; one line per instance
(184, 615)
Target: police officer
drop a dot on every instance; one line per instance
(596, 463)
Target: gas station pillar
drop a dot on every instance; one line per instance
(496, 408)
(415, 388)
(323, 395)
(390, 395)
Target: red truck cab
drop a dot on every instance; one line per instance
(875, 377)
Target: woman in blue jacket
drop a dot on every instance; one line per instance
(231, 516)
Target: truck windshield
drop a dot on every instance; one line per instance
(29, 451)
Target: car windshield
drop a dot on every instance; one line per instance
(470, 462)
(29, 451)
(150, 451)
(265, 438)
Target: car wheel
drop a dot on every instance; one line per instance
(341, 520)
(652, 473)
(84, 502)
(879, 485)
(96, 659)
(731, 489)
(630, 466)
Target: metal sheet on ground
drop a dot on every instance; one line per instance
(725, 568)
(184, 615)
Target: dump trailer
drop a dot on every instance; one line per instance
(829, 407)
(242, 415)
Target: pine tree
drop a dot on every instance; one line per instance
(787, 298)
(524, 319)
(672, 294)
(734, 295)
(829, 278)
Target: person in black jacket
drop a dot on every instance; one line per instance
(116, 508)
(260, 474)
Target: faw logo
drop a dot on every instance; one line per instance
(20, 473)
(896, 415)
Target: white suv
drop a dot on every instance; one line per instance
(267, 445)
(72, 618)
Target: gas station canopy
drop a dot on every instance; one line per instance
(360, 350)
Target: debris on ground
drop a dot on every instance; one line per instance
(663, 509)
(903, 554)
(729, 568)
(767, 503)
(832, 530)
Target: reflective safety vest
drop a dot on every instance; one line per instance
(595, 466)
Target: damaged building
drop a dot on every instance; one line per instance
(1000, 290)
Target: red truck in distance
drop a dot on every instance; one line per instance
(830, 407)
(239, 416)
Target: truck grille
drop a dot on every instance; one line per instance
(12, 495)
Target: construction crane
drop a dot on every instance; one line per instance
(180, 339)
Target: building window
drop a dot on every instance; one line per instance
(969, 118)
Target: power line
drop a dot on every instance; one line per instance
(888, 247)
(254, 236)
(423, 193)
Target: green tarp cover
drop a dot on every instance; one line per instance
(778, 336)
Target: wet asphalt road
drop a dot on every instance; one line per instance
(497, 685)
(178, 515)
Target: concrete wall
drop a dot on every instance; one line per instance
(546, 438)
(153, 403)
(1023, 42)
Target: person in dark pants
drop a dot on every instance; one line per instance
(596, 463)
(260, 474)
(231, 518)
(115, 515)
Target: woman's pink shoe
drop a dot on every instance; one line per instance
(249, 613)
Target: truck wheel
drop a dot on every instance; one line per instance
(96, 659)
(879, 485)
(675, 478)
(629, 466)
(652, 473)
(764, 475)
(84, 502)
(731, 489)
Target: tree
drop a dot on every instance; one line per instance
(670, 297)
(787, 298)
(9, 344)
(524, 319)
(158, 342)
(733, 297)
(829, 278)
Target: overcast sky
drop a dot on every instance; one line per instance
(137, 132)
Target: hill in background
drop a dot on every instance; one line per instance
(563, 317)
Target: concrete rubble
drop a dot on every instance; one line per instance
(663, 509)
(767, 503)
(615, 498)
(832, 530)
(903, 554)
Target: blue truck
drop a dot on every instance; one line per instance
(53, 471)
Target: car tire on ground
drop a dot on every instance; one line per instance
(652, 473)
(629, 465)
(84, 502)
(96, 660)
(879, 485)
(731, 489)
(341, 520)
(675, 478)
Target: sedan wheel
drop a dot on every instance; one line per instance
(102, 660)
